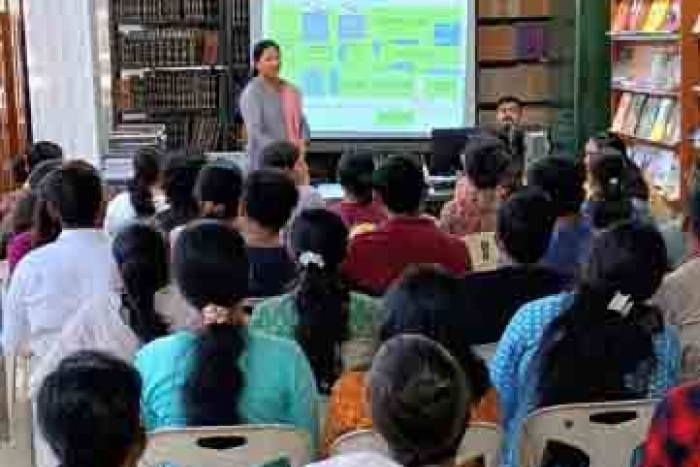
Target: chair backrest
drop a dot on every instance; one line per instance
(239, 446)
(483, 251)
(481, 440)
(608, 433)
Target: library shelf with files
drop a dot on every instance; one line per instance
(182, 64)
(655, 107)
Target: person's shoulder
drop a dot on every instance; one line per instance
(362, 301)
(545, 306)
(272, 348)
(360, 459)
(165, 349)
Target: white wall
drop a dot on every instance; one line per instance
(68, 72)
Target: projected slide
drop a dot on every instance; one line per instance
(381, 68)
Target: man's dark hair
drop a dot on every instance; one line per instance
(280, 155)
(355, 172)
(270, 197)
(525, 224)
(74, 194)
(509, 100)
(485, 162)
(563, 180)
(400, 183)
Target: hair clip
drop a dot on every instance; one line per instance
(309, 257)
(216, 315)
(621, 304)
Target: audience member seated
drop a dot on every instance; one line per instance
(145, 308)
(269, 197)
(419, 399)
(426, 302)
(360, 211)
(144, 197)
(52, 282)
(563, 180)
(22, 219)
(679, 295)
(525, 224)
(286, 156)
(179, 179)
(321, 313)
(224, 374)
(473, 210)
(601, 343)
(377, 258)
(218, 192)
(88, 412)
(673, 437)
(609, 201)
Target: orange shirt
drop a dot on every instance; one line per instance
(348, 410)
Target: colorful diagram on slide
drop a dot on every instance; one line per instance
(374, 67)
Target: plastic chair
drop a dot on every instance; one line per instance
(481, 440)
(608, 433)
(239, 446)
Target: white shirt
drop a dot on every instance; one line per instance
(359, 459)
(101, 325)
(52, 283)
(121, 213)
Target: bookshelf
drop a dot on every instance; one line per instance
(180, 63)
(654, 101)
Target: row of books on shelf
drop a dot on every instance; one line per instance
(654, 68)
(182, 90)
(156, 11)
(169, 47)
(656, 119)
(522, 41)
(696, 28)
(241, 11)
(661, 167)
(198, 133)
(647, 16)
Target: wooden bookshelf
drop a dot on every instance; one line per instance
(180, 62)
(680, 40)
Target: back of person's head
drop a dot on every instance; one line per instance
(41, 171)
(211, 270)
(319, 240)
(37, 154)
(89, 412)
(269, 198)
(179, 179)
(218, 190)
(485, 163)
(141, 254)
(22, 215)
(610, 202)
(693, 212)
(147, 163)
(606, 333)
(71, 197)
(355, 173)
(400, 183)
(633, 181)
(419, 400)
(525, 224)
(563, 180)
(431, 303)
(281, 155)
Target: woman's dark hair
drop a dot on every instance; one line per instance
(563, 180)
(611, 202)
(22, 215)
(41, 171)
(211, 268)
(485, 161)
(179, 179)
(37, 154)
(634, 183)
(142, 256)
(147, 163)
(258, 51)
(355, 174)
(419, 400)
(431, 303)
(319, 240)
(89, 411)
(221, 184)
(69, 197)
(589, 351)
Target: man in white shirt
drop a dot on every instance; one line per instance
(679, 295)
(51, 283)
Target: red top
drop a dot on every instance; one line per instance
(375, 259)
(354, 214)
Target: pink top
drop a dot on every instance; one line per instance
(292, 108)
(18, 248)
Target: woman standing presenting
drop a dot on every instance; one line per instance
(271, 107)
